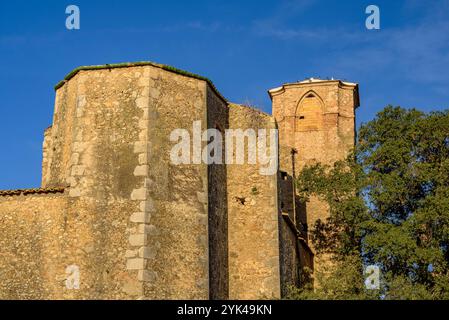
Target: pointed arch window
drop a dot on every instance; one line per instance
(309, 113)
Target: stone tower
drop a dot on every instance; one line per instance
(316, 121)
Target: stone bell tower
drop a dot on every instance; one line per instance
(316, 121)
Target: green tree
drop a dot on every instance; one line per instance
(389, 206)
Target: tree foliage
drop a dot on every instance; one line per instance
(389, 206)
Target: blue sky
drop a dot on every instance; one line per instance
(245, 47)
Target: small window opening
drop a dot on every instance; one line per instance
(284, 175)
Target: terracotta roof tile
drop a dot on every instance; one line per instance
(18, 192)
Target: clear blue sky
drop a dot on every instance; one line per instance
(245, 47)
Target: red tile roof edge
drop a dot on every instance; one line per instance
(18, 192)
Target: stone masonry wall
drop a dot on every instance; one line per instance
(252, 220)
(31, 252)
(46, 153)
(176, 232)
(289, 256)
(217, 117)
(60, 137)
(103, 120)
(144, 226)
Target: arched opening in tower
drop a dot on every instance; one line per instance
(309, 113)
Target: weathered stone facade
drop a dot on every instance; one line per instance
(316, 120)
(138, 226)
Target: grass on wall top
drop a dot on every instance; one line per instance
(139, 64)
